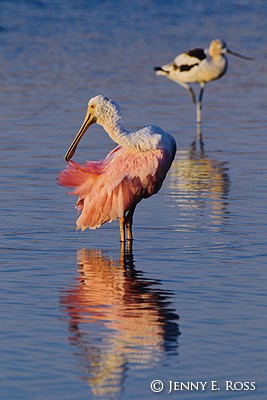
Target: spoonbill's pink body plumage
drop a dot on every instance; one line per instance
(111, 188)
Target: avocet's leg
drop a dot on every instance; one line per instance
(199, 106)
(192, 94)
(189, 89)
(199, 102)
(122, 229)
(129, 223)
(199, 136)
(202, 87)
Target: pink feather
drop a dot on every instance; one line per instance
(107, 189)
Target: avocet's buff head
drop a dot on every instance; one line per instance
(100, 108)
(218, 47)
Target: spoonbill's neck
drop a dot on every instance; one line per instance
(113, 125)
(146, 139)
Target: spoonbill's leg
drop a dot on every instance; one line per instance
(126, 254)
(129, 223)
(122, 229)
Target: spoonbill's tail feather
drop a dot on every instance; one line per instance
(76, 174)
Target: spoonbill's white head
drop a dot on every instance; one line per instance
(100, 109)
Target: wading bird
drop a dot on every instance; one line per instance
(198, 66)
(134, 170)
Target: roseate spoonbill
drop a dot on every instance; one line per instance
(199, 66)
(134, 170)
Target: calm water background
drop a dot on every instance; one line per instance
(78, 319)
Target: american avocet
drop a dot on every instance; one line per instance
(134, 170)
(198, 66)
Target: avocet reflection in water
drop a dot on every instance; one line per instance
(198, 182)
(120, 321)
